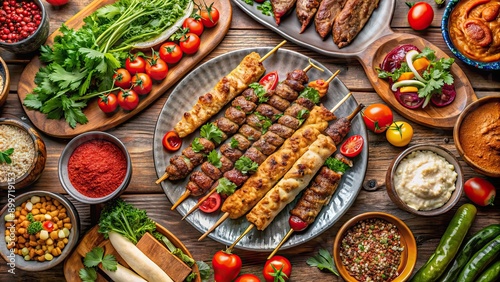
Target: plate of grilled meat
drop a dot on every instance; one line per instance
(265, 135)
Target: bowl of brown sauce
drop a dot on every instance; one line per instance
(476, 135)
(470, 28)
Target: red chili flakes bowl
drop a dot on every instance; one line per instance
(372, 238)
(95, 167)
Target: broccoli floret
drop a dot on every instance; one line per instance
(34, 227)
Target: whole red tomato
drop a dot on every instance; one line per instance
(247, 277)
(377, 117)
(108, 103)
(226, 266)
(128, 99)
(122, 78)
(57, 2)
(209, 15)
(420, 16)
(135, 64)
(194, 25)
(142, 83)
(156, 68)
(189, 43)
(277, 267)
(480, 191)
(170, 52)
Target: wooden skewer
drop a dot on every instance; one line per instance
(332, 77)
(290, 232)
(219, 222)
(249, 228)
(162, 178)
(183, 197)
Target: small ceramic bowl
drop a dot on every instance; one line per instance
(65, 157)
(448, 156)
(18, 261)
(4, 82)
(34, 41)
(446, 36)
(408, 243)
(475, 142)
(37, 163)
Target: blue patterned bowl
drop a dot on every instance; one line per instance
(446, 35)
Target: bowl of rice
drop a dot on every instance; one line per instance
(4, 82)
(22, 154)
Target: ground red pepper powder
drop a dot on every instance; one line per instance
(96, 168)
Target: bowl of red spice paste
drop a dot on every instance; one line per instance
(95, 167)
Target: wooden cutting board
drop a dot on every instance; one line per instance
(74, 262)
(98, 120)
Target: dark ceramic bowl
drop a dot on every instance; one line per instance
(68, 151)
(33, 42)
(5, 84)
(17, 260)
(446, 36)
(37, 164)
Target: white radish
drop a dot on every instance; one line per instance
(137, 260)
(122, 274)
(409, 60)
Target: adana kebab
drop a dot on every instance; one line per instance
(295, 180)
(315, 197)
(181, 165)
(248, 71)
(256, 125)
(272, 139)
(275, 166)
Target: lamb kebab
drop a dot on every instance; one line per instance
(305, 10)
(325, 16)
(248, 71)
(274, 104)
(211, 135)
(292, 118)
(275, 166)
(297, 178)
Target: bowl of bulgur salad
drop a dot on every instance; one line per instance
(375, 246)
(22, 154)
(4, 82)
(39, 230)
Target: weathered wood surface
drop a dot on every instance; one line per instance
(137, 134)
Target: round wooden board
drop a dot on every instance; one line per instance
(97, 119)
(74, 262)
(431, 116)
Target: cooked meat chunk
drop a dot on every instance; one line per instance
(295, 109)
(281, 130)
(235, 115)
(306, 103)
(278, 103)
(249, 95)
(264, 147)
(289, 121)
(243, 104)
(255, 155)
(254, 121)
(236, 177)
(194, 158)
(273, 138)
(208, 145)
(179, 167)
(338, 130)
(298, 75)
(211, 170)
(226, 164)
(327, 12)
(268, 111)
(249, 132)
(242, 141)
(281, 8)
(230, 153)
(306, 9)
(286, 92)
(202, 180)
(227, 126)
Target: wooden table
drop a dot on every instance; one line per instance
(137, 134)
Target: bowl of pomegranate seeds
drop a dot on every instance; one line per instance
(24, 25)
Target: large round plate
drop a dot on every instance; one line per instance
(289, 28)
(202, 80)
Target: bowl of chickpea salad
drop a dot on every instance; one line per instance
(39, 229)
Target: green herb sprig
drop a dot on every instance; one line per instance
(5, 156)
(324, 261)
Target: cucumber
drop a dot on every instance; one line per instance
(473, 245)
(491, 274)
(480, 260)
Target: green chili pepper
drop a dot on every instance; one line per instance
(480, 260)
(491, 274)
(473, 245)
(448, 246)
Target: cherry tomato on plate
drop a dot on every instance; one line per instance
(170, 52)
(135, 64)
(211, 204)
(269, 81)
(57, 2)
(194, 24)
(420, 16)
(128, 99)
(296, 223)
(399, 133)
(122, 78)
(226, 266)
(156, 68)
(48, 225)
(480, 191)
(142, 83)
(209, 15)
(247, 277)
(277, 266)
(189, 43)
(377, 117)
(108, 103)
(352, 146)
(171, 141)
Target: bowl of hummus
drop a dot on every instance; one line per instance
(425, 180)
(477, 135)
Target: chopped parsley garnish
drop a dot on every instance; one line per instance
(393, 75)
(211, 132)
(249, 2)
(336, 165)
(246, 165)
(266, 8)
(259, 91)
(34, 227)
(301, 115)
(226, 187)
(30, 217)
(5, 156)
(311, 94)
(277, 116)
(234, 143)
(196, 145)
(265, 122)
(214, 158)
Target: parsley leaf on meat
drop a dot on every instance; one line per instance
(196, 145)
(234, 143)
(245, 165)
(336, 165)
(301, 115)
(323, 261)
(311, 94)
(259, 91)
(226, 187)
(265, 122)
(214, 158)
(211, 132)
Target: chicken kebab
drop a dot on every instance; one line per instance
(241, 155)
(275, 165)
